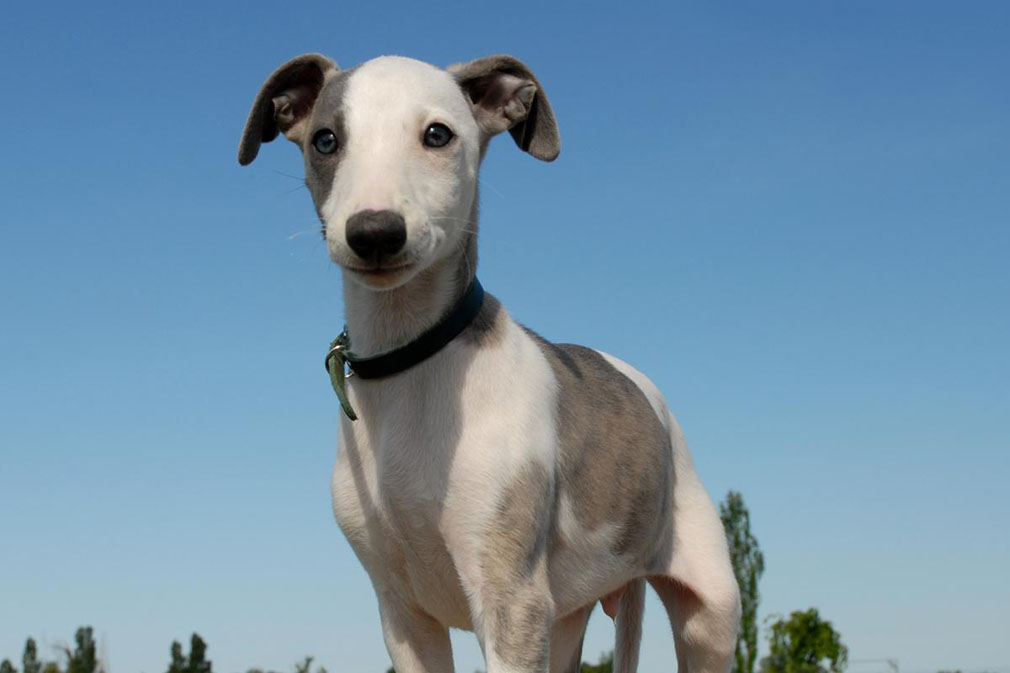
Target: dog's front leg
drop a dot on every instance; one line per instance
(417, 643)
(515, 628)
(501, 557)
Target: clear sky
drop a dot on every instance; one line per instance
(792, 215)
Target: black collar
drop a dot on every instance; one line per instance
(392, 362)
(423, 347)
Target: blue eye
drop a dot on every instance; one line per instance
(325, 141)
(437, 135)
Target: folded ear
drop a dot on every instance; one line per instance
(506, 95)
(284, 103)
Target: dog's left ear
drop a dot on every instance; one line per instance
(284, 103)
(506, 95)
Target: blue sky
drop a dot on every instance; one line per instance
(792, 215)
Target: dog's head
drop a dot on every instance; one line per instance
(392, 149)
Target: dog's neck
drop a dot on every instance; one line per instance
(382, 320)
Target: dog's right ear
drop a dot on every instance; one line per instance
(284, 103)
(505, 94)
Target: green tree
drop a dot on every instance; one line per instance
(82, 659)
(198, 662)
(748, 566)
(804, 643)
(177, 663)
(7, 667)
(30, 659)
(604, 665)
(305, 666)
(195, 662)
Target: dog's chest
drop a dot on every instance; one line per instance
(398, 536)
(428, 572)
(389, 492)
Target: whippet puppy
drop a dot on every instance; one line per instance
(492, 481)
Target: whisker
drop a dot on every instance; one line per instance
(295, 235)
(483, 184)
(466, 258)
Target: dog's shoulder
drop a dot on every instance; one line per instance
(614, 442)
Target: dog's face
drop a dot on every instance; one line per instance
(392, 150)
(391, 157)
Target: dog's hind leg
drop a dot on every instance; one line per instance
(628, 622)
(696, 584)
(417, 643)
(566, 641)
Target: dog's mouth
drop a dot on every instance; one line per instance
(378, 269)
(380, 275)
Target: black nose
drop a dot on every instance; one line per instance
(373, 234)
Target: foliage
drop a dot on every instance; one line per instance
(748, 566)
(605, 664)
(393, 670)
(7, 667)
(82, 659)
(177, 661)
(804, 643)
(305, 666)
(196, 662)
(30, 659)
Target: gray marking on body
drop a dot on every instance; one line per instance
(518, 540)
(515, 569)
(522, 627)
(616, 460)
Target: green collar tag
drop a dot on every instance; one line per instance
(336, 363)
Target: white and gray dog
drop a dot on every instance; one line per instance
(493, 481)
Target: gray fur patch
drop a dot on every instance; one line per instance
(522, 629)
(515, 570)
(521, 529)
(616, 460)
(488, 329)
(320, 169)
